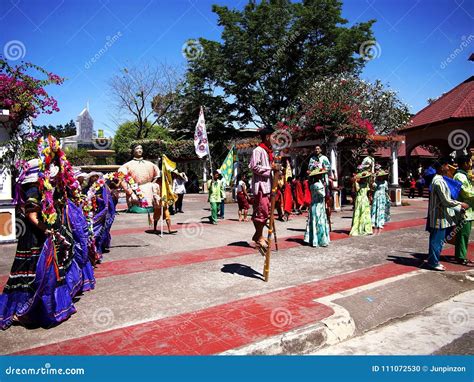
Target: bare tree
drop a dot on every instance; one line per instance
(146, 93)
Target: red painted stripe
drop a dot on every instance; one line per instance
(226, 326)
(143, 264)
(180, 226)
(229, 325)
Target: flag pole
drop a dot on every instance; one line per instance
(209, 156)
(208, 150)
(162, 191)
(161, 230)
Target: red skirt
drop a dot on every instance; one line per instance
(242, 201)
(299, 194)
(307, 194)
(288, 199)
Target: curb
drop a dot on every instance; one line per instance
(341, 325)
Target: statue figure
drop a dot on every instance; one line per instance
(143, 172)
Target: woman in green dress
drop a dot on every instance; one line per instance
(379, 204)
(317, 227)
(361, 221)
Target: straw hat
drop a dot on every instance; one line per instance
(318, 171)
(94, 173)
(76, 171)
(363, 174)
(381, 173)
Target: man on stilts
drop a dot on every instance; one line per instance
(262, 166)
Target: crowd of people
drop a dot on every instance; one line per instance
(312, 191)
(63, 221)
(450, 212)
(65, 215)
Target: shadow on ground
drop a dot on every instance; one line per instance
(242, 270)
(240, 244)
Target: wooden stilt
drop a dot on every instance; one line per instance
(271, 223)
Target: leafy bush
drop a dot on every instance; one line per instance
(79, 157)
(154, 149)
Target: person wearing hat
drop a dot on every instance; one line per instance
(21, 300)
(319, 160)
(317, 226)
(361, 220)
(443, 213)
(216, 194)
(261, 166)
(90, 179)
(81, 178)
(379, 203)
(179, 188)
(31, 237)
(467, 196)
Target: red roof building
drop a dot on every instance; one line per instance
(447, 123)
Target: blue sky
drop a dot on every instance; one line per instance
(415, 37)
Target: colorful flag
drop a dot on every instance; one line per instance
(167, 167)
(227, 168)
(201, 145)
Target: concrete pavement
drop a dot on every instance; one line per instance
(203, 286)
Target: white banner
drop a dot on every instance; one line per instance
(201, 145)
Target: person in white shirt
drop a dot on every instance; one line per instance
(223, 185)
(179, 188)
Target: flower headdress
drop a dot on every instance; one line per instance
(49, 151)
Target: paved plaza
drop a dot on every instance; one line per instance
(201, 291)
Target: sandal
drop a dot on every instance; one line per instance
(262, 244)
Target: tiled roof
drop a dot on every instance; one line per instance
(457, 103)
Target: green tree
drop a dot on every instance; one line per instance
(59, 131)
(127, 132)
(270, 52)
